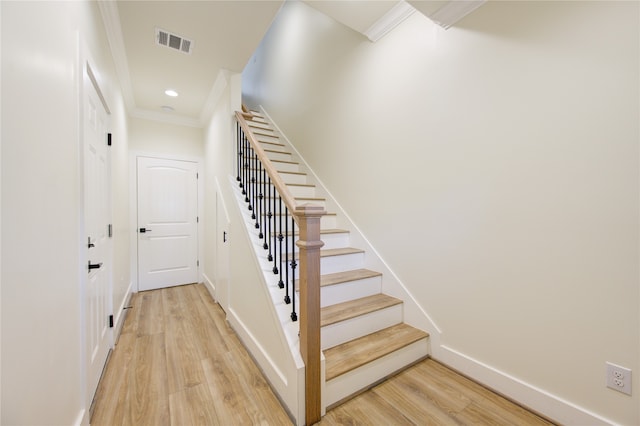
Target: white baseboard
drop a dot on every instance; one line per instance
(209, 285)
(532, 397)
(82, 419)
(120, 312)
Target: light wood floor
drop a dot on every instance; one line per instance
(177, 362)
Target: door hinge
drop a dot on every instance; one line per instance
(197, 175)
(109, 139)
(197, 219)
(197, 263)
(110, 321)
(110, 230)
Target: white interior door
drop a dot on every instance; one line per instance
(97, 218)
(167, 223)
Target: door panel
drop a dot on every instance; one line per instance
(167, 223)
(97, 218)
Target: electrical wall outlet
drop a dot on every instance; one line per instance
(618, 378)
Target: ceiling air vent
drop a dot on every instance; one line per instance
(173, 41)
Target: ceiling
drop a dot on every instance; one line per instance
(224, 35)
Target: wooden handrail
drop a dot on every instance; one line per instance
(277, 181)
(307, 217)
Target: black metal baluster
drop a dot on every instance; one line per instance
(263, 215)
(267, 239)
(239, 151)
(280, 238)
(247, 169)
(252, 179)
(243, 182)
(275, 232)
(259, 199)
(287, 299)
(294, 265)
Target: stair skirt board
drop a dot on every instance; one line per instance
(348, 385)
(362, 325)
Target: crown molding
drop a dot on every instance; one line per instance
(398, 13)
(454, 11)
(180, 120)
(111, 21)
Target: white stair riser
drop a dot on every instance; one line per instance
(293, 178)
(349, 383)
(351, 290)
(326, 222)
(329, 221)
(332, 264)
(299, 201)
(275, 145)
(345, 331)
(266, 137)
(258, 124)
(286, 167)
(336, 240)
(319, 202)
(341, 263)
(282, 156)
(302, 191)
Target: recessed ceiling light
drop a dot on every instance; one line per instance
(170, 92)
(166, 108)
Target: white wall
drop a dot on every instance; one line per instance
(218, 147)
(165, 139)
(42, 357)
(494, 166)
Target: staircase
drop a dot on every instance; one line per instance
(363, 336)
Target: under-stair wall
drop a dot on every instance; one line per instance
(259, 320)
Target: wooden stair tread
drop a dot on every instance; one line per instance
(358, 352)
(276, 152)
(309, 198)
(254, 125)
(339, 251)
(304, 185)
(284, 161)
(291, 173)
(301, 185)
(335, 252)
(355, 308)
(346, 276)
(257, 133)
(277, 214)
(259, 124)
(272, 143)
(322, 232)
(303, 199)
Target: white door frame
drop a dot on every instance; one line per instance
(133, 208)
